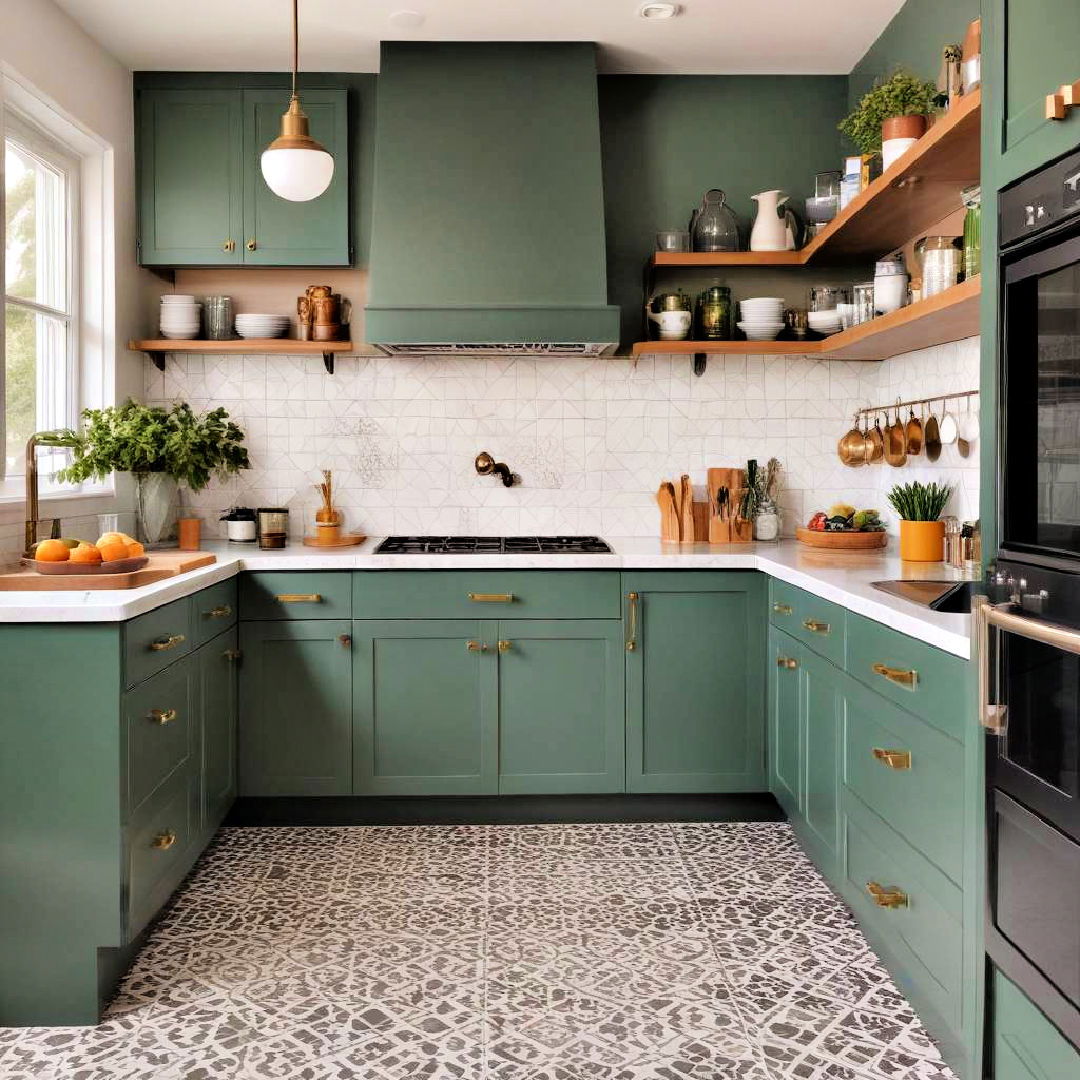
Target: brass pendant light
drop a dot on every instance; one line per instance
(294, 165)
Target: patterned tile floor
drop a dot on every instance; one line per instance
(562, 952)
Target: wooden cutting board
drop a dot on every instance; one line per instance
(162, 564)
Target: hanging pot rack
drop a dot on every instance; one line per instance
(957, 395)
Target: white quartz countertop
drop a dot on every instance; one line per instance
(844, 579)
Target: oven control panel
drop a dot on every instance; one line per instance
(1041, 201)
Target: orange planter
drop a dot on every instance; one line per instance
(922, 541)
(903, 127)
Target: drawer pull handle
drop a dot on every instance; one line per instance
(163, 643)
(631, 641)
(163, 841)
(782, 609)
(816, 627)
(232, 655)
(222, 611)
(491, 597)
(163, 716)
(788, 662)
(899, 676)
(893, 759)
(505, 646)
(299, 598)
(476, 646)
(887, 896)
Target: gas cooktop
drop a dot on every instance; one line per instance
(492, 545)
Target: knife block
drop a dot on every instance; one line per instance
(726, 527)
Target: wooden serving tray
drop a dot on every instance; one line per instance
(841, 541)
(159, 565)
(348, 540)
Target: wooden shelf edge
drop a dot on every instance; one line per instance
(156, 348)
(716, 348)
(708, 259)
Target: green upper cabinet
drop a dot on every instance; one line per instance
(202, 197)
(695, 684)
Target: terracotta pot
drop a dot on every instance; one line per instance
(922, 541)
(903, 127)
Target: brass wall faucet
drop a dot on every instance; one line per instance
(486, 465)
(33, 509)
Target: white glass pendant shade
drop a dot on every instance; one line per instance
(298, 175)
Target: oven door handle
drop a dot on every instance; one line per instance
(987, 616)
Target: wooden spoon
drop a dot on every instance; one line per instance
(669, 519)
(686, 510)
(932, 438)
(914, 434)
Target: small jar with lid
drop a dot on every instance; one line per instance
(890, 285)
(239, 525)
(273, 527)
(714, 314)
(767, 522)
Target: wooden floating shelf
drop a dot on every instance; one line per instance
(156, 348)
(948, 316)
(909, 198)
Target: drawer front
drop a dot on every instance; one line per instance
(923, 932)
(909, 774)
(1026, 1045)
(162, 842)
(822, 626)
(154, 640)
(784, 600)
(213, 610)
(300, 594)
(486, 594)
(917, 677)
(160, 731)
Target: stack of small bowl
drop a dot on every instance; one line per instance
(824, 322)
(180, 317)
(261, 326)
(762, 317)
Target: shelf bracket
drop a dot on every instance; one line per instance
(157, 359)
(328, 362)
(701, 361)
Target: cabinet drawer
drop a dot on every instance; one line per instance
(923, 935)
(917, 677)
(159, 731)
(822, 625)
(154, 640)
(909, 774)
(486, 594)
(212, 611)
(161, 845)
(304, 594)
(1026, 1045)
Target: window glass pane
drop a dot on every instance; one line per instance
(35, 237)
(35, 382)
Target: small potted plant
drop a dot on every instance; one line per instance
(922, 535)
(891, 116)
(161, 448)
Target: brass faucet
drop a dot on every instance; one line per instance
(33, 509)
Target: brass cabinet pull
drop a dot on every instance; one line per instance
(164, 841)
(887, 896)
(491, 597)
(782, 609)
(299, 598)
(222, 611)
(476, 646)
(900, 676)
(345, 640)
(232, 655)
(894, 759)
(251, 244)
(163, 716)
(163, 643)
(631, 639)
(229, 246)
(788, 662)
(816, 626)
(505, 646)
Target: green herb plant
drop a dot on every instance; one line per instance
(189, 447)
(919, 502)
(902, 94)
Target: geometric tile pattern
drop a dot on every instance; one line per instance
(536, 952)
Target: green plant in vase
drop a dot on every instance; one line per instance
(922, 535)
(891, 116)
(161, 448)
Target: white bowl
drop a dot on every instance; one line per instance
(177, 298)
(177, 335)
(777, 300)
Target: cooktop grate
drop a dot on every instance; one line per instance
(492, 545)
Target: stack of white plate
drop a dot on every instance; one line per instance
(261, 326)
(762, 317)
(180, 317)
(824, 322)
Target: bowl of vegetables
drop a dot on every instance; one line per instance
(843, 528)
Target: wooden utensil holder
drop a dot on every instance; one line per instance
(725, 525)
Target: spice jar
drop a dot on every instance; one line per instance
(239, 524)
(273, 527)
(714, 314)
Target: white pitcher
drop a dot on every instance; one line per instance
(774, 226)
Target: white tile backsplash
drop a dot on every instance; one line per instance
(591, 439)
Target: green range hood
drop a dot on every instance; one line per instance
(488, 211)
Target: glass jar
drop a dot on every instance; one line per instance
(714, 314)
(972, 200)
(218, 312)
(863, 303)
(273, 526)
(767, 522)
(713, 226)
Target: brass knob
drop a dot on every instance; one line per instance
(893, 759)
(345, 640)
(170, 642)
(163, 716)
(163, 841)
(232, 655)
(227, 246)
(901, 676)
(887, 896)
(815, 626)
(222, 611)
(476, 646)
(787, 662)
(251, 244)
(505, 646)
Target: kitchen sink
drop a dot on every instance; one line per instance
(953, 597)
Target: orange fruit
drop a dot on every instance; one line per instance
(113, 550)
(135, 549)
(111, 538)
(86, 553)
(52, 551)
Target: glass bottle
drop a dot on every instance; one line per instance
(714, 314)
(713, 226)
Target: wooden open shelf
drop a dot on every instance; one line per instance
(156, 348)
(909, 198)
(949, 316)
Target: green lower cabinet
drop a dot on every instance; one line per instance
(1026, 1046)
(218, 703)
(695, 685)
(425, 707)
(821, 709)
(785, 729)
(296, 707)
(560, 706)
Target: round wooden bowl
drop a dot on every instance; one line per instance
(116, 566)
(841, 541)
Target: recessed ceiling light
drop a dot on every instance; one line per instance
(406, 20)
(659, 11)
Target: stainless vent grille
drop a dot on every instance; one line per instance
(491, 348)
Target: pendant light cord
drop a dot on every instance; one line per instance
(295, 44)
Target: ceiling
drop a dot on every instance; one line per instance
(708, 37)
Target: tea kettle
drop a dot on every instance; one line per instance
(775, 228)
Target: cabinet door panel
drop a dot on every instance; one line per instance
(190, 185)
(295, 708)
(785, 729)
(217, 662)
(285, 233)
(425, 708)
(561, 712)
(822, 705)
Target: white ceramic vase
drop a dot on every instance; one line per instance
(771, 226)
(156, 499)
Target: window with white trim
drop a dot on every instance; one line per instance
(40, 376)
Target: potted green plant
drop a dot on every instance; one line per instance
(891, 116)
(161, 448)
(922, 535)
